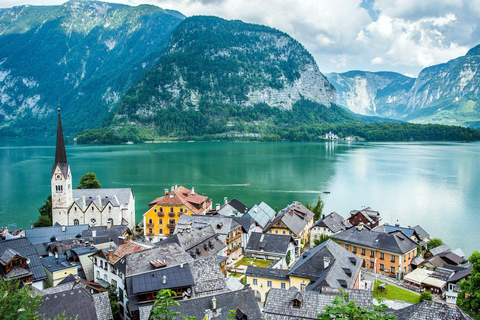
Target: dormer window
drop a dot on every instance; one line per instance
(296, 303)
(297, 300)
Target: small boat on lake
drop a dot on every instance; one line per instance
(326, 192)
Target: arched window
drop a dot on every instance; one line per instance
(92, 208)
(171, 209)
(161, 209)
(110, 221)
(76, 222)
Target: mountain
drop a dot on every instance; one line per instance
(381, 94)
(82, 55)
(216, 72)
(447, 93)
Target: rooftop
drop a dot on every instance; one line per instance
(334, 222)
(261, 213)
(194, 202)
(295, 217)
(428, 310)
(53, 264)
(54, 233)
(270, 243)
(27, 250)
(268, 273)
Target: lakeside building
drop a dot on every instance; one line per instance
(95, 207)
(328, 225)
(262, 214)
(368, 217)
(328, 265)
(273, 247)
(392, 252)
(163, 213)
(232, 208)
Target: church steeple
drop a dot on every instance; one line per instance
(60, 154)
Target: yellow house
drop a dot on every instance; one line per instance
(261, 280)
(58, 268)
(295, 220)
(163, 213)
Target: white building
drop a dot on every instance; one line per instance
(96, 207)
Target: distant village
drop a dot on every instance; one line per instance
(222, 260)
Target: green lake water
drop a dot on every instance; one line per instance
(436, 185)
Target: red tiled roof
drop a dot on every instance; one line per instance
(124, 249)
(182, 196)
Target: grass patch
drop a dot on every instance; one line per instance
(395, 293)
(253, 262)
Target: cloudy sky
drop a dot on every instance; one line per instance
(376, 35)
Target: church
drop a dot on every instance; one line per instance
(95, 207)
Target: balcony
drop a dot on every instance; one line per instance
(234, 238)
(149, 225)
(160, 213)
(170, 225)
(149, 234)
(171, 214)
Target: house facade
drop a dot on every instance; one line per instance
(366, 216)
(328, 225)
(163, 213)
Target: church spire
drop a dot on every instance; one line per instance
(60, 154)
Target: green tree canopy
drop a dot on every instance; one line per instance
(89, 181)
(469, 298)
(162, 307)
(433, 243)
(317, 209)
(45, 219)
(343, 309)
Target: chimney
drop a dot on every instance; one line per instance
(94, 233)
(344, 221)
(360, 226)
(326, 262)
(217, 206)
(291, 212)
(164, 279)
(214, 304)
(331, 214)
(171, 188)
(176, 187)
(110, 254)
(225, 200)
(121, 240)
(64, 228)
(166, 191)
(193, 190)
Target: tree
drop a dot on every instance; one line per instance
(161, 307)
(18, 301)
(426, 296)
(317, 209)
(113, 297)
(343, 309)
(89, 181)
(433, 243)
(469, 297)
(322, 239)
(288, 257)
(45, 219)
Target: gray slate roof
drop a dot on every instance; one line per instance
(45, 234)
(269, 273)
(388, 228)
(421, 232)
(175, 277)
(295, 217)
(233, 208)
(429, 310)
(261, 213)
(279, 303)
(113, 233)
(221, 225)
(269, 243)
(233, 284)
(441, 248)
(26, 249)
(334, 222)
(54, 265)
(101, 197)
(171, 253)
(76, 303)
(343, 268)
(396, 242)
(245, 222)
(207, 276)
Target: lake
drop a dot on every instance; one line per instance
(436, 185)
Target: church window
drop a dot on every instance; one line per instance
(92, 208)
(110, 221)
(109, 208)
(75, 209)
(76, 222)
(93, 220)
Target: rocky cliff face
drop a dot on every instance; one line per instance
(82, 55)
(383, 94)
(447, 93)
(213, 61)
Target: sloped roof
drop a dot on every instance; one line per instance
(295, 217)
(396, 242)
(101, 197)
(421, 232)
(342, 270)
(245, 222)
(268, 243)
(175, 277)
(113, 232)
(334, 222)
(220, 224)
(87, 266)
(183, 196)
(441, 248)
(26, 249)
(207, 276)
(268, 273)
(77, 303)
(53, 264)
(427, 310)
(44, 234)
(388, 228)
(278, 305)
(261, 213)
(233, 284)
(417, 276)
(232, 208)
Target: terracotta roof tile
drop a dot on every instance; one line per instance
(182, 196)
(126, 248)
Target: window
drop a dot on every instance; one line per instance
(110, 221)
(171, 209)
(155, 210)
(382, 267)
(95, 260)
(363, 252)
(354, 249)
(392, 258)
(303, 286)
(150, 230)
(405, 269)
(181, 209)
(284, 232)
(160, 209)
(75, 209)
(171, 230)
(109, 208)
(98, 274)
(382, 255)
(409, 255)
(171, 221)
(254, 282)
(160, 221)
(93, 220)
(150, 221)
(372, 265)
(105, 277)
(160, 230)
(269, 283)
(276, 231)
(296, 303)
(92, 208)
(405, 258)
(372, 253)
(76, 222)
(114, 282)
(392, 269)
(346, 246)
(283, 285)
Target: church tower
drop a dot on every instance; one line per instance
(61, 180)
